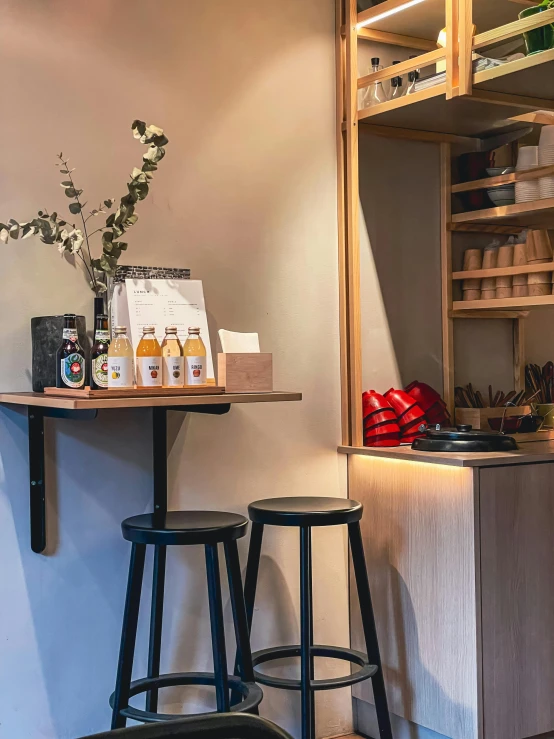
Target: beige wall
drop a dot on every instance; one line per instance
(246, 198)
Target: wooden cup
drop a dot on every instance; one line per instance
(472, 294)
(488, 294)
(520, 255)
(504, 282)
(538, 247)
(505, 256)
(540, 278)
(488, 283)
(520, 280)
(473, 259)
(504, 292)
(472, 284)
(520, 291)
(537, 291)
(490, 257)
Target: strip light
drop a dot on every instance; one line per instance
(387, 13)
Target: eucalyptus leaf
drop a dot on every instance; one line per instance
(74, 208)
(70, 192)
(4, 235)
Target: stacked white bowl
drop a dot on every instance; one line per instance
(546, 157)
(528, 158)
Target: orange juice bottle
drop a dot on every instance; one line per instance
(120, 360)
(194, 353)
(172, 359)
(149, 359)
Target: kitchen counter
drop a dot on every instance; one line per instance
(460, 558)
(528, 453)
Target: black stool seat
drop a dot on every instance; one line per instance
(305, 511)
(184, 527)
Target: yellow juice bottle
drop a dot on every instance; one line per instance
(149, 359)
(120, 360)
(172, 359)
(194, 353)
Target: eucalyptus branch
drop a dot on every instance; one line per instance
(53, 230)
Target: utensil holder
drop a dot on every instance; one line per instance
(490, 257)
(505, 256)
(473, 259)
(520, 255)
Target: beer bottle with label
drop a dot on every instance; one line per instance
(149, 359)
(70, 364)
(194, 352)
(99, 354)
(172, 359)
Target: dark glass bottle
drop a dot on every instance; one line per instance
(70, 364)
(99, 354)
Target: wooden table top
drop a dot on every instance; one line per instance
(48, 401)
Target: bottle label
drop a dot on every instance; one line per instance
(70, 334)
(120, 372)
(173, 371)
(102, 335)
(195, 370)
(100, 370)
(73, 370)
(149, 371)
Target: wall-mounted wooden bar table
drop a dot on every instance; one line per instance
(40, 406)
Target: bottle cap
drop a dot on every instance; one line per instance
(120, 330)
(396, 63)
(171, 329)
(194, 330)
(375, 61)
(69, 315)
(103, 316)
(149, 329)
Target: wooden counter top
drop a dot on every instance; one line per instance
(49, 401)
(528, 453)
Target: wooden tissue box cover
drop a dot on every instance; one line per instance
(245, 373)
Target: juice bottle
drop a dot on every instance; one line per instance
(149, 359)
(194, 353)
(120, 360)
(172, 359)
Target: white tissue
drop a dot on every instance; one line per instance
(233, 342)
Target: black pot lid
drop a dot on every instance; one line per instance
(464, 439)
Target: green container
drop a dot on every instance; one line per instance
(539, 39)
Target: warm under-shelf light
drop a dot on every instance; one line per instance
(386, 13)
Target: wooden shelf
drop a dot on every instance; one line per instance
(539, 213)
(428, 19)
(525, 269)
(529, 302)
(49, 401)
(429, 110)
(532, 76)
(504, 179)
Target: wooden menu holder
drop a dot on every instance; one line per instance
(245, 373)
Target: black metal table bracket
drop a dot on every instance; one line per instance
(37, 485)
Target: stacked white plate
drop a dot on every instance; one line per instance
(546, 157)
(528, 158)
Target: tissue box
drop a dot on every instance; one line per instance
(245, 373)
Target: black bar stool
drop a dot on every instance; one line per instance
(306, 513)
(184, 528)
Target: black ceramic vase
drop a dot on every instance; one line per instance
(46, 335)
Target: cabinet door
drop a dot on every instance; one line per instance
(517, 579)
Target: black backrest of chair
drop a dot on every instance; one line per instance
(216, 726)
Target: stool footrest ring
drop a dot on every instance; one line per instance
(349, 655)
(251, 693)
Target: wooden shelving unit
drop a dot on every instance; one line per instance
(462, 111)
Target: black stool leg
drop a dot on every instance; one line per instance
(128, 635)
(156, 617)
(244, 653)
(306, 633)
(218, 633)
(252, 567)
(370, 632)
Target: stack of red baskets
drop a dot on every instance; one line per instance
(380, 423)
(396, 418)
(409, 414)
(430, 403)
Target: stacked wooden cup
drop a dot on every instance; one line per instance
(473, 259)
(538, 250)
